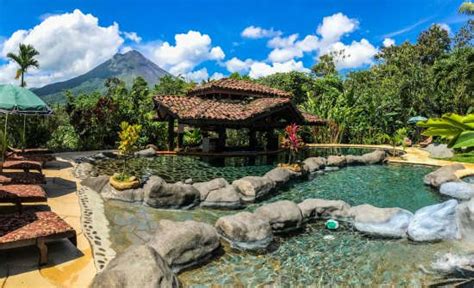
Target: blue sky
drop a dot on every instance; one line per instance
(73, 36)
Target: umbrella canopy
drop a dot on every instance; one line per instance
(19, 100)
(416, 119)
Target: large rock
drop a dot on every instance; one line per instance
(283, 215)
(337, 161)
(139, 266)
(324, 209)
(128, 195)
(381, 222)
(253, 187)
(354, 160)
(443, 175)
(435, 222)
(455, 265)
(227, 198)
(96, 183)
(465, 216)
(459, 189)
(439, 150)
(177, 195)
(205, 187)
(376, 157)
(280, 175)
(148, 152)
(84, 170)
(245, 230)
(184, 244)
(313, 164)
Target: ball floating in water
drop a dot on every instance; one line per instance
(332, 224)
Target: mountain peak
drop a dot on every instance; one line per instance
(125, 66)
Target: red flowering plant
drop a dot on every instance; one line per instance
(293, 141)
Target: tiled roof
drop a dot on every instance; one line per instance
(238, 86)
(312, 119)
(188, 107)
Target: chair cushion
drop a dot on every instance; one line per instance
(22, 164)
(21, 178)
(22, 193)
(31, 225)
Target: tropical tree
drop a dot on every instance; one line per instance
(467, 8)
(458, 129)
(25, 59)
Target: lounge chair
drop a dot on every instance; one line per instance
(30, 151)
(34, 229)
(21, 178)
(18, 194)
(426, 142)
(25, 165)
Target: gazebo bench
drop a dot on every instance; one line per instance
(34, 229)
(20, 193)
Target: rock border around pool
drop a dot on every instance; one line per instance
(218, 193)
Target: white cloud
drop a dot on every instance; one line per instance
(355, 54)
(261, 69)
(254, 32)
(190, 50)
(445, 27)
(197, 76)
(387, 42)
(133, 36)
(288, 48)
(69, 44)
(217, 76)
(237, 65)
(335, 26)
(282, 42)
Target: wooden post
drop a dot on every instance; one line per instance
(272, 140)
(171, 134)
(252, 139)
(221, 140)
(180, 135)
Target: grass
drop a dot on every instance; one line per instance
(462, 157)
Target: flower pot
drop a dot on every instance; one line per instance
(130, 183)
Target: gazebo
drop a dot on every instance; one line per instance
(231, 104)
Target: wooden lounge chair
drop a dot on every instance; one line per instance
(30, 151)
(34, 229)
(18, 194)
(25, 165)
(21, 178)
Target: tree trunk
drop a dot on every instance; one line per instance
(22, 79)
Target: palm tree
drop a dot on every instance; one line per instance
(25, 59)
(467, 8)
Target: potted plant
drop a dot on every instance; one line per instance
(294, 144)
(128, 135)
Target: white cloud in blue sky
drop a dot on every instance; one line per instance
(73, 43)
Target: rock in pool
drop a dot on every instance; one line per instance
(205, 187)
(324, 209)
(245, 230)
(165, 195)
(443, 175)
(283, 215)
(139, 266)
(184, 244)
(459, 189)
(313, 164)
(148, 152)
(381, 222)
(337, 161)
(435, 222)
(226, 198)
(252, 188)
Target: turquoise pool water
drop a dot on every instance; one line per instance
(347, 258)
(180, 168)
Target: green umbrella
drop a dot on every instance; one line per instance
(416, 119)
(20, 101)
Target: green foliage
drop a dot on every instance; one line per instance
(297, 83)
(170, 85)
(64, 138)
(467, 8)
(192, 137)
(459, 130)
(25, 59)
